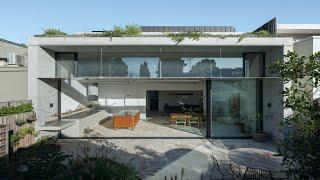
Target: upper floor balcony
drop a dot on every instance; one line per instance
(154, 57)
(159, 65)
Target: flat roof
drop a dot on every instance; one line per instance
(11, 42)
(298, 29)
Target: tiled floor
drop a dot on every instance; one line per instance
(142, 129)
(166, 152)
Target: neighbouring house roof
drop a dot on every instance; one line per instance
(311, 29)
(185, 29)
(289, 29)
(188, 29)
(11, 42)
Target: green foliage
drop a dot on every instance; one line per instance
(21, 133)
(179, 37)
(5, 111)
(195, 36)
(42, 160)
(301, 144)
(53, 32)
(130, 30)
(258, 119)
(100, 168)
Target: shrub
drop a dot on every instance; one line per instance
(301, 143)
(4, 111)
(21, 133)
(100, 168)
(53, 32)
(42, 160)
(129, 30)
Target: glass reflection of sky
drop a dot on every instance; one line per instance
(134, 64)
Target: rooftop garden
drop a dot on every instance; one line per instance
(134, 30)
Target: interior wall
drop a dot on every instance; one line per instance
(133, 94)
(173, 100)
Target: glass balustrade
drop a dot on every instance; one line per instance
(160, 66)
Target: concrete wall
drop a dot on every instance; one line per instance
(113, 93)
(41, 90)
(14, 84)
(73, 95)
(272, 106)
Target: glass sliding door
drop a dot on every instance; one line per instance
(233, 105)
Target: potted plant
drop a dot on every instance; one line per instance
(20, 122)
(259, 135)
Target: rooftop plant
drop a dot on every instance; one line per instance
(195, 36)
(53, 32)
(129, 30)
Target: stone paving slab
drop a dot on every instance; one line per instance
(162, 157)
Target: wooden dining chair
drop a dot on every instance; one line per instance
(194, 120)
(254, 173)
(181, 120)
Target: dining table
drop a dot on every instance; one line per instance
(174, 116)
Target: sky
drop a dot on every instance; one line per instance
(21, 19)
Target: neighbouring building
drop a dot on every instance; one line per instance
(224, 81)
(13, 71)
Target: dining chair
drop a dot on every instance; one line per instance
(254, 173)
(223, 169)
(181, 120)
(194, 120)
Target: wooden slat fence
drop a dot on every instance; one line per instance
(10, 122)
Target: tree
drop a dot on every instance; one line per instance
(300, 145)
(144, 70)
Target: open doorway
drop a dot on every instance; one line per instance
(183, 110)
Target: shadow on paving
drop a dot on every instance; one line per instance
(178, 162)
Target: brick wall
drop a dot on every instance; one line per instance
(3, 140)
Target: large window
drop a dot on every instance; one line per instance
(163, 65)
(130, 67)
(66, 65)
(254, 64)
(234, 104)
(201, 67)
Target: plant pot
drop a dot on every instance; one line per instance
(20, 122)
(260, 136)
(31, 119)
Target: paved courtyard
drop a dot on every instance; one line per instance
(167, 152)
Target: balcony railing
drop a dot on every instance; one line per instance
(164, 67)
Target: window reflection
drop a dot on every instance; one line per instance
(91, 64)
(233, 105)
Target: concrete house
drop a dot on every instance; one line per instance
(78, 82)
